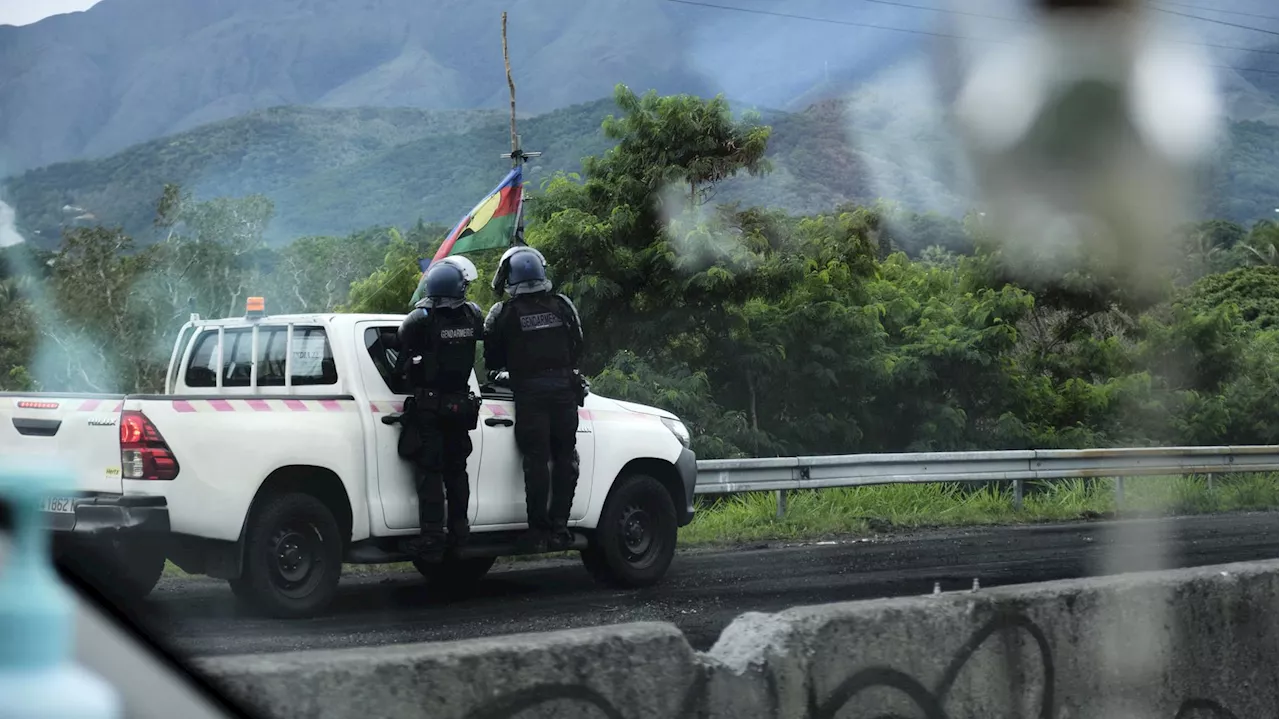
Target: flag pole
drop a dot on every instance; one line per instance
(517, 155)
(511, 87)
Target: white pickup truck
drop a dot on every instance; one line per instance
(266, 463)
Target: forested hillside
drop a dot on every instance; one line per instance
(339, 171)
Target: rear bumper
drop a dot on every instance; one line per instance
(687, 466)
(111, 514)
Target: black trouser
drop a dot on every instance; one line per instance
(440, 466)
(547, 432)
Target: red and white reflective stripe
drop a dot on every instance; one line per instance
(218, 404)
(385, 407)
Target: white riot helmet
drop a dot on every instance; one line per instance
(469, 273)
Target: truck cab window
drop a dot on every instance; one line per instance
(312, 358)
(384, 351)
(203, 369)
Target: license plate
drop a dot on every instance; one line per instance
(59, 505)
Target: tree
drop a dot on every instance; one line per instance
(17, 334)
(607, 229)
(95, 332)
(1250, 290)
(315, 274)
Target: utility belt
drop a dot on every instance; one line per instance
(463, 406)
(429, 410)
(574, 380)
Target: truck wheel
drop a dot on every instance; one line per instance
(126, 569)
(293, 557)
(636, 538)
(142, 564)
(454, 575)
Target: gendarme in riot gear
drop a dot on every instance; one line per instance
(437, 352)
(536, 336)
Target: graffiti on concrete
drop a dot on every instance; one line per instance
(932, 702)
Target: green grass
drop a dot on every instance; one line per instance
(862, 510)
(854, 511)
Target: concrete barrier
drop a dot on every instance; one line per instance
(628, 670)
(1185, 644)
(1178, 644)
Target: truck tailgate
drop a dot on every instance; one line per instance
(79, 431)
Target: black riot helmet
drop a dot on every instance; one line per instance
(446, 286)
(522, 270)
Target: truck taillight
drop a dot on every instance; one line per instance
(143, 452)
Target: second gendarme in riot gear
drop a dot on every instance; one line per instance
(437, 353)
(536, 336)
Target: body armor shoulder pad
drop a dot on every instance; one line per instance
(491, 319)
(573, 318)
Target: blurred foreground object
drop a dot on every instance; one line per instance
(37, 678)
(1084, 135)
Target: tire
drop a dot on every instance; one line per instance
(635, 540)
(455, 575)
(126, 569)
(293, 557)
(142, 564)
(240, 589)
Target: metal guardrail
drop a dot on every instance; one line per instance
(783, 474)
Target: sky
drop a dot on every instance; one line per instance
(25, 12)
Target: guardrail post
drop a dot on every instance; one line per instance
(782, 503)
(1119, 492)
(1017, 494)
(1210, 475)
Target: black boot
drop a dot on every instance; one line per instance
(532, 541)
(429, 545)
(459, 532)
(561, 539)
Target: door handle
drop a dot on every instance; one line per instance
(36, 427)
(499, 422)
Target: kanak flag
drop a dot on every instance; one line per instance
(491, 224)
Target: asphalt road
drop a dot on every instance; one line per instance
(705, 590)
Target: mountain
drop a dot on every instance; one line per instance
(91, 84)
(360, 112)
(126, 71)
(331, 171)
(264, 152)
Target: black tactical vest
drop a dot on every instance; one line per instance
(540, 335)
(446, 339)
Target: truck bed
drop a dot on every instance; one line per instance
(75, 432)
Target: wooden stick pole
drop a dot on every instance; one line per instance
(511, 85)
